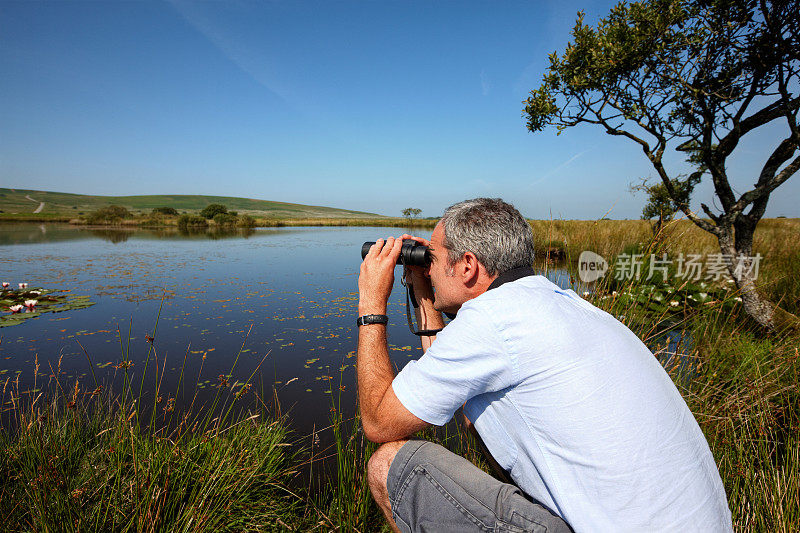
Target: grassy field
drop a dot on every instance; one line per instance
(73, 459)
(19, 204)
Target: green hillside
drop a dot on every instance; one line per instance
(24, 202)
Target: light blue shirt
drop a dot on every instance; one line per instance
(575, 407)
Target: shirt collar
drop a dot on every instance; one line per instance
(511, 275)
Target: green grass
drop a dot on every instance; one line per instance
(15, 206)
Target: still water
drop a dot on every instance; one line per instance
(284, 300)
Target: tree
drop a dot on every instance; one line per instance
(660, 205)
(211, 210)
(169, 211)
(411, 213)
(693, 76)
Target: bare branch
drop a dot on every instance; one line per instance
(767, 114)
(751, 196)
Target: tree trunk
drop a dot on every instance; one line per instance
(740, 261)
(739, 258)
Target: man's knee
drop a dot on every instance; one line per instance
(379, 464)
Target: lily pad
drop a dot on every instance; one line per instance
(47, 301)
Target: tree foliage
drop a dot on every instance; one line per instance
(693, 76)
(169, 211)
(211, 210)
(411, 212)
(225, 219)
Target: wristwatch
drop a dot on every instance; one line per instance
(372, 319)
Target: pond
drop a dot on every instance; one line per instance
(283, 300)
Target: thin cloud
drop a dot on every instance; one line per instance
(486, 85)
(249, 62)
(563, 165)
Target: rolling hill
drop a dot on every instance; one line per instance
(48, 203)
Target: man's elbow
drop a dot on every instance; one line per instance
(374, 432)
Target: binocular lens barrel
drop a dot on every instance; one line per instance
(412, 253)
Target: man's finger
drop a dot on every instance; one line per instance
(387, 248)
(374, 249)
(394, 252)
(416, 239)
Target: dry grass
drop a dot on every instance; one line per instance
(775, 239)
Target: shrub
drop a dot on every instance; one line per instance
(191, 221)
(225, 219)
(169, 211)
(211, 210)
(112, 214)
(246, 221)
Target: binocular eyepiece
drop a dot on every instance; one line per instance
(412, 253)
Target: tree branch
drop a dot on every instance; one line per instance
(751, 196)
(776, 109)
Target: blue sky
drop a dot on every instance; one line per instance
(370, 105)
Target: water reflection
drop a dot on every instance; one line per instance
(26, 233)
(112, 235)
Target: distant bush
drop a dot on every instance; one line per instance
(191, 221)
(211, 210)
(112, 214)
(234, 213)
(225, 219)
(246, 221)
(169, 211)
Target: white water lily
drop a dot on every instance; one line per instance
(6, 284)
(36, 293)
(738, 299)
(614, 293)
(16, 308)
(30, 304)
(586, 294)
(23, 285)
(674, 303)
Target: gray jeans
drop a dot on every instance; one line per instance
(432, 489)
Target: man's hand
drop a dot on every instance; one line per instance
(383, 416)
(417, 277)
(427, 316)
(377, 276)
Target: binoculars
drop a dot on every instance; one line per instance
(412, 253)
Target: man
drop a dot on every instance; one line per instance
(567, 400)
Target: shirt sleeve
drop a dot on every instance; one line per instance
(466, 359)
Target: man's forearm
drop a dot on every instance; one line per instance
(373, 369)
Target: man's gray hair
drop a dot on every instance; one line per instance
(490, 228)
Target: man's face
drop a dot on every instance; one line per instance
(449, 291)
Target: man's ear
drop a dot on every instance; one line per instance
(470, 269)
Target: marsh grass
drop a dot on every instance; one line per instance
(775, 239)
(78, 459)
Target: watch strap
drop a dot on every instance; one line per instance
(372, 319)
